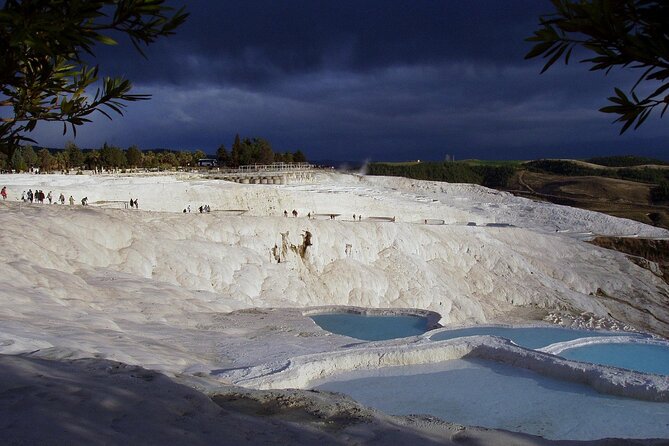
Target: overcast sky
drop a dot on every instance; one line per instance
(364, 79)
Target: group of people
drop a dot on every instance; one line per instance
(203, 208)
(38, 196)
(332, 216)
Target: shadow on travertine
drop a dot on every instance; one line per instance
(93, 401)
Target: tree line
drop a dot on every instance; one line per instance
(625, 161)
(244, 151)
(452, 172)
(568, 168)
(255, 151)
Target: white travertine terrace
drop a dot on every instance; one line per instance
(203, 294)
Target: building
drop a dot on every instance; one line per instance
(207, 162)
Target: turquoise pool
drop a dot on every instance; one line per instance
(489, 394)
(371, 328)
(649, 358)
(529, 337)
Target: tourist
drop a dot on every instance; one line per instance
(49, 197)
(71, 200)
(132, 203)
(285, 213)
(136, 203)
(294, 213)
(353, 217)
(4, 192)
(189, 208)
(23, 196)
(309, 215)
(200, 209)
(61, 198)
(84, 201)
(30, 195)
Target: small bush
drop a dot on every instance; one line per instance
(660, 192)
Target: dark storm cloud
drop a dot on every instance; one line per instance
(380, 79)
(251, 42)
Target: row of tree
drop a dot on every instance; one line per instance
(254, 151)
(569, 168)
(452, 172)
(626, 161)
(246, 151)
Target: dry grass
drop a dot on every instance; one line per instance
(656, 251)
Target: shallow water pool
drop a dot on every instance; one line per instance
(371, 328)
(529, 337)
(489, 394)
(649, 358)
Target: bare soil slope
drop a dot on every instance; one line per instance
(620, 198)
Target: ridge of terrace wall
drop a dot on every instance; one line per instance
(301, 371)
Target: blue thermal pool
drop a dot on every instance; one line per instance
(489, 394)
(529, 337)
(649, 358)
(371, 328)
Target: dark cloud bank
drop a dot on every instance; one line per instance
(379, 79)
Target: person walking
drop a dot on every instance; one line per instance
(61, 199)
(49, 197)
(4, 192)
(71, 200)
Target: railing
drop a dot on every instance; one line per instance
(270, 168)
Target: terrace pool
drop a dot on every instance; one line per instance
(648, 358)
(484, 393)
(528, 337)
(371, 328)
